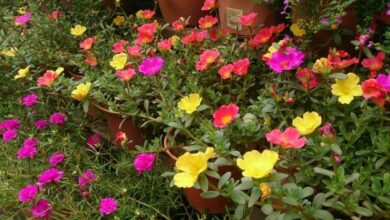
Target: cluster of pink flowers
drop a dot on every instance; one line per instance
(8, 129)
(29, 149)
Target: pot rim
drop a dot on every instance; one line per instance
(165, 143)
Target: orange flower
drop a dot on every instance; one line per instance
(225, 115)
(248, 20)
(226, 71)
(340, 59)
(207, 21)
(145, 33)
(208, 5)
(145, 14)
(91, 60)
(87, 43)
(180, 24)
(374, 64)
(47, 79)
(206, 58)
(262, 37)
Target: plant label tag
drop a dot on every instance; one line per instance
(233, 16)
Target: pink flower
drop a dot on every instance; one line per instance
(118, 47)
(22, 19)
(194, 37)
(225, 114)
(180, 24)
(30, 100)
(288, 59)
(144, 162)
(50, 175)
(30, 142)
(27, 151)
(41, 124)
(207, 21)
(11, 124)
(108, 205)
(226, 71)
(165, 45)
(248, 20)
(47, 79)
(126, 74)
(134, 51)
(28, 193)
(87, 43)
(56, 158)
(384, 81)
(208, 5)
(57, 118)
(145, 33)
(287, 139)
(86, 178)
(94, 140)
(54, 15)
(371, 89)
(206, 58)
(9, 135)
(120, 137)
(307, 78)
(327, 130)
(240, 67)
(151, 66)
(41, 209)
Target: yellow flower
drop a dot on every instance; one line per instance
(256, 164)
(297, 29)
(22, 10)
(8, 52)
(191, 166)
(189, 103)
(308, 123)
(334, 26)
(81, 91)
(119, 61)
(119, 20)
(265, 191)
(22, 73)
(59, 70)
(78, 30)
(347, 88)
(321, 66)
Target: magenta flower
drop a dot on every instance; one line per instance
(287, 139)
(144, 162)
(94, 140)
(108, 205)
(10, 135)
(22, 19)
(30, 100)
(41, 209)
(384, 81)
(27, 152)
(151, 66)
(50, 175)
(327, 130)
(56, 158)
(86, 178)
(28, 193)
(57, 118)
(10, 124)
(40, 124)
(30, 142)
(288, 59)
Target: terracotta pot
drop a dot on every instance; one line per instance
(321, 41)
(93, 111)
(133, 133)
(231, 10)
(174, 9)
(130, 6)
(216, 205)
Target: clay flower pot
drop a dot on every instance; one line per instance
(216, 205)
(172, 10)
(231, 10)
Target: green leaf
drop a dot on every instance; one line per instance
(239, 197)
(204, 183)
(352, 178)
(239, 212)
(380, 162)
(86, 106)
(244, 185)
(322, 171)
(318, 200)
(306, 192)
(338, 76)
(363, 211)
(254, 197)
(175, 125)
(210, 194)
(267, 209)
(289, 200)
(322, 214)
(213, 174)
(336, 148)
(225, 177)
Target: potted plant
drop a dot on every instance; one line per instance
(230, 12)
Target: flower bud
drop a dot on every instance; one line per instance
(85, 194)
(328, 131)
(265, 191)
(120, 138)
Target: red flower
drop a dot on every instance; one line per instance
(262, 37)
(248, 20)
(371, 89)
(91, 60)
(208, 5)
(226, 71)
(225, 115)
(336, 61)
(120, 137)
(374, 64)
(134, 51)
(145, 14)
(87, 43)
(194, 37)
(118, 47)
(307, 78)
(240, 67)
(125, 75)
(165, 45)
(180, 24)
(287, 139)
(145, 33)
(206, 58)
(207, 21)
(278, 28)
